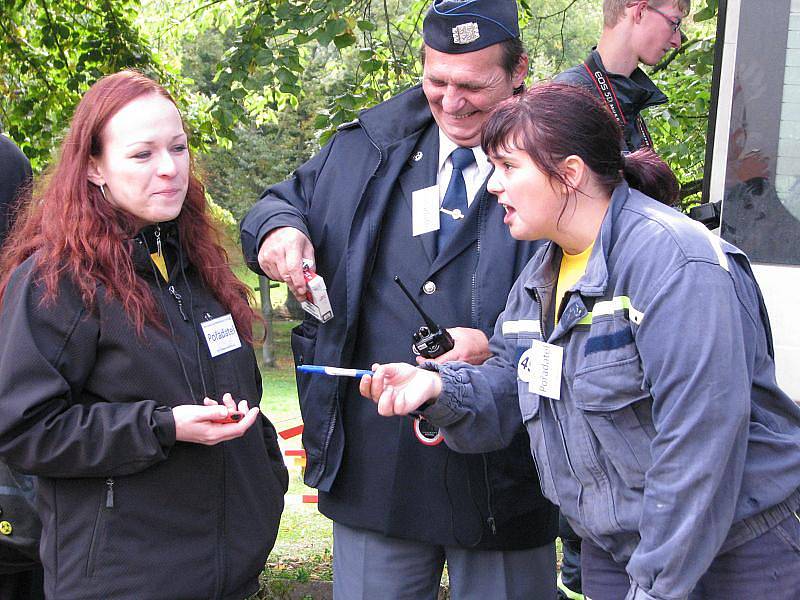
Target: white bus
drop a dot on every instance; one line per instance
(753, 158)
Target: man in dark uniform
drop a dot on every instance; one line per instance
(633, 33)
(402, 191)
(16, 582)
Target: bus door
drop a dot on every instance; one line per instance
(753, 158)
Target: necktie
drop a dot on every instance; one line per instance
(454, 205)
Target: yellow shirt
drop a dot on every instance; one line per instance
(572, 268)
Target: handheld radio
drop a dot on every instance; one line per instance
(430, 340)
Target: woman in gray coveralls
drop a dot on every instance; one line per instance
(636, 347)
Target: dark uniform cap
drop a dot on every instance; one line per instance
(459, 26)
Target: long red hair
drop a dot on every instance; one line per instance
(78, 234)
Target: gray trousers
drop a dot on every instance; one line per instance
(371, 566)
(765, 568)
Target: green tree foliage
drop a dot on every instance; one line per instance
(680, 127)
(378, 41)
(267, 145)
(559, 34)
(262, 83)
(50, 52)
(267, 80)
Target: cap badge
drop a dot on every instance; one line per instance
(466, 33)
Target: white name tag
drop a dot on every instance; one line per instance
(221, 335)
(425, 210)
(540, 368)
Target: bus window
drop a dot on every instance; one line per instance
(753, 158)
(761, 198)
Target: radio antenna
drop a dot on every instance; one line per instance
(428, 321)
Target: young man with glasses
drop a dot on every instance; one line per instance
(633, 33)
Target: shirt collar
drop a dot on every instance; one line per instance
(446, 147)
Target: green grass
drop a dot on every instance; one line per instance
(302, 551)
(303, 548)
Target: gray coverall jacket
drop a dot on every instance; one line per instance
(671, 441)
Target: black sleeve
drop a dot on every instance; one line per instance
(15, 172)
(49, 424)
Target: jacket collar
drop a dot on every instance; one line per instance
(636, 92)
(144, 243)
(595, 280)
(395, 119)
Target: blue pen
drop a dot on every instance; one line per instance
(333, 371)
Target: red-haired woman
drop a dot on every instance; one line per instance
(127, 379)
(636, 348)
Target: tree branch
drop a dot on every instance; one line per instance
(414, 29)
(16, 47)
(563, 11)
(563, 14)
(675, 54)
(56, 39)
(195, 11)
(389, 33)
(691, 187)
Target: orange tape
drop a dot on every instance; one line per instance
(300, 499)
(291, 432)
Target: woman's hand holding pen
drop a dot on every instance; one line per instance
(399, 388)
(212, 423)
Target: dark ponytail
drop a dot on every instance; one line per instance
(552, 121)
(646, 172)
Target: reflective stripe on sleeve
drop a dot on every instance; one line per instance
(609, 307)
(716, 244)
(523, 326)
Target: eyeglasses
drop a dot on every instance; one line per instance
(675, 24)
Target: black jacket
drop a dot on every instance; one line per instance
(341, 198)
(15, 170)
(635, 94)
(85, 404)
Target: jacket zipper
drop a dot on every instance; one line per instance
(98, 526)
(490, 519)
(110, 492)
(221, 529)
(157, 233)
(333, 420)
(538, 298)
(481, 208)
(179, 300)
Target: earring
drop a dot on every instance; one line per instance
(103, 191)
